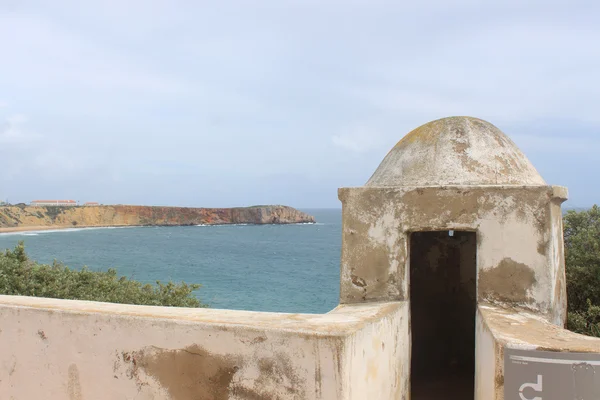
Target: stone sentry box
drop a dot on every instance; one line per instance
(489, 228)
(452, 263)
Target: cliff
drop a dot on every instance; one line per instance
(22, 217)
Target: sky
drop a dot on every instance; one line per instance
(235, 103)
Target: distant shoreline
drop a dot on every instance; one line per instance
(56, 228)
(64, 227)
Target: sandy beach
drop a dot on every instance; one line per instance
(31, 228)
(54, 227)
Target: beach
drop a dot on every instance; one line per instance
(55, 227)
(34, 228)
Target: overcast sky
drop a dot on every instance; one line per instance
(228, 103)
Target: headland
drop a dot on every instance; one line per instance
(27, 218)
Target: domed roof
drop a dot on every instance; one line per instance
(455, 151)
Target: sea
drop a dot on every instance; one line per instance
(279, 268)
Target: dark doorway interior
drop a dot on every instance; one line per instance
(442, 305)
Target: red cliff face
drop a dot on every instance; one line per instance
(123, 215)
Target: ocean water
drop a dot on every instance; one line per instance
(284, 268)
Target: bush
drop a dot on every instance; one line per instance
(582, 259)
(585, 321)
(23, 277)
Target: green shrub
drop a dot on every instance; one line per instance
(55, 211)
(23, 277)
(582, 259)
(586, 321)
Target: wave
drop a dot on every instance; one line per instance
(21, 233)
(299, 223)
(91, 228)
(222, 224)
(70, 230)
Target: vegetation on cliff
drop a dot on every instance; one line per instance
(20, 276)
(582, 258)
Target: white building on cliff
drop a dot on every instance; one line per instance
(53, 203)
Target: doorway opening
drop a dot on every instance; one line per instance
(443, 302)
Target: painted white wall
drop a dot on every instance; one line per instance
(63, 349)
(379, 358)
(485, 361)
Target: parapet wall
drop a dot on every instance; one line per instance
(500, 329)
(78, 350)
(63, 349)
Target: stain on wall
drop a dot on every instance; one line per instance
(191, 373)
(510, 281)
(276, 379)
(73, 384)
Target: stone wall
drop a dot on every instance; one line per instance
(76, 350)
(518, 260)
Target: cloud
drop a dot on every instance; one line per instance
(15, 145)
(358, 140)
(12, 133)
(560, 145)
(518, 68)
(26, 154)
(122, 91)
(44, 54)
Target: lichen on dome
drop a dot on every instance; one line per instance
(455, 151)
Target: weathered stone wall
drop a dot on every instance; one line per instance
(379, 357)
(489, 359)
(455, 151)
(76, 350)
(499, 328)
(517, 256)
